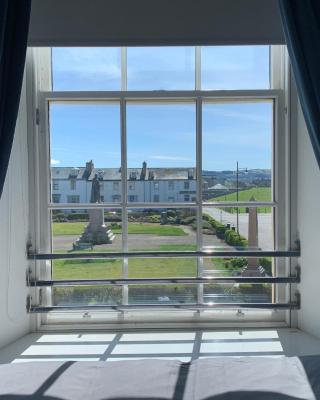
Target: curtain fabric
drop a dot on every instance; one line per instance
(301, 25)
(14, 24)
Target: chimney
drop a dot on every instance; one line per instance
(143, 171)
(88, 170)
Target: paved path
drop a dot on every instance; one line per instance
(141, 241)
(265, 224)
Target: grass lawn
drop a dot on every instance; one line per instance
(77, 228)
(138, 268)
(259, 193)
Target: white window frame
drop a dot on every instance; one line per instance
(280, 165)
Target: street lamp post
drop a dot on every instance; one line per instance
(239, 169)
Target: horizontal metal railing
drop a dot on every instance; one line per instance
(104, 307)
(164, 254)
(164, 281)
(32, 308)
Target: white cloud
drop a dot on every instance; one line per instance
(54, 162)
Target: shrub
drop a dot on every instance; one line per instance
(188, 220)
(77, 217)
(59, 217)
(238, 262)
(112, 217)
(266, 263)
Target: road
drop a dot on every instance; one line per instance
(265, 225)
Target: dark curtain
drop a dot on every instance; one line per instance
(14, 23)
(301, 25)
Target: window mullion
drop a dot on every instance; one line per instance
(199, 192)
(124, 73)
(124, 196)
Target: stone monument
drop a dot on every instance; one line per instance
(96, 232)
(253, 268)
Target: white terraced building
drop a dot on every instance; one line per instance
(73, 185)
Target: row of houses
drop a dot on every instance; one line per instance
(73, 185)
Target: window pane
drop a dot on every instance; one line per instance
(86, 230)
(161, 68)
(241, 293)
(237, 151)
(86, 295)
(77, 231)
(238, 227)
(162, 230)
(162, 294)
(161, 143)
(82, 68)
(85, 152)
(235, 67)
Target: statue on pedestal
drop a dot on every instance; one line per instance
(95, 190)
(96, 231)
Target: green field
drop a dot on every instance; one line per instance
(259, 193)
(77, 228)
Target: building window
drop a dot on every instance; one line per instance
(102, 198)
(116, 198)
(73, 199)
(229, 140)
(132, 198)
(73, 184)
(55, 186)
(56, 198)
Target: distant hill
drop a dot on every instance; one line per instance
(259, 193)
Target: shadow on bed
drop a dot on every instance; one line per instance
(311, 365)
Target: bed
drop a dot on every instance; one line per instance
(218, 378)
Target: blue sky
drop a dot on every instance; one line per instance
(161, 134)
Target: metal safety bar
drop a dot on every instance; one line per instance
(208, 306)
(164, 281)
(164, 254)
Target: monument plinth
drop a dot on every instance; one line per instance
(96, 231)
(253, 268)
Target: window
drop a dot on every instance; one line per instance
(74, 199)
(88, 69)
(212, 155)
(132, 198)
(56, 198)
(55, 186)
(235, 67)
(161, 68)
(78, 130)
(73, 184)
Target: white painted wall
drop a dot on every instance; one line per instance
(308, 195)
(14, 321)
